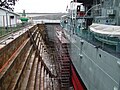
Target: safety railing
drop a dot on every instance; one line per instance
(91, 37)
(12, 28)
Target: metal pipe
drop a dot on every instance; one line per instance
(89, 10)
(7, 20)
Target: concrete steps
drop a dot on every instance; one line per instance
(19, 72)
(42, 79)
(32, 78)
(28, 66)
(38, 79)
(26, 74)
(11, 71)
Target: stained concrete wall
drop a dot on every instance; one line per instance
(50, 29)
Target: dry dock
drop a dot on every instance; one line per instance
(28, 61)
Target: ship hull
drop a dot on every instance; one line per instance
(97, 69)
(76, 80)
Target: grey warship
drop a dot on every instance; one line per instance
(92, 28)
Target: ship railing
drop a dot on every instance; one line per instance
(90, 37)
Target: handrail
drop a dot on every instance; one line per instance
(88, 11)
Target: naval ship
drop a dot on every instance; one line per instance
(92, 28)
(82, 54)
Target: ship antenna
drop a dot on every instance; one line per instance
(89, 10)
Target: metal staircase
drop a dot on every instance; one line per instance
(65, 67)
(64, 61)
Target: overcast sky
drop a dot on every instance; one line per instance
(41, 6)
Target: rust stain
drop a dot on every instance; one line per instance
(1, 69)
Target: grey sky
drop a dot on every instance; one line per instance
(41, 5)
